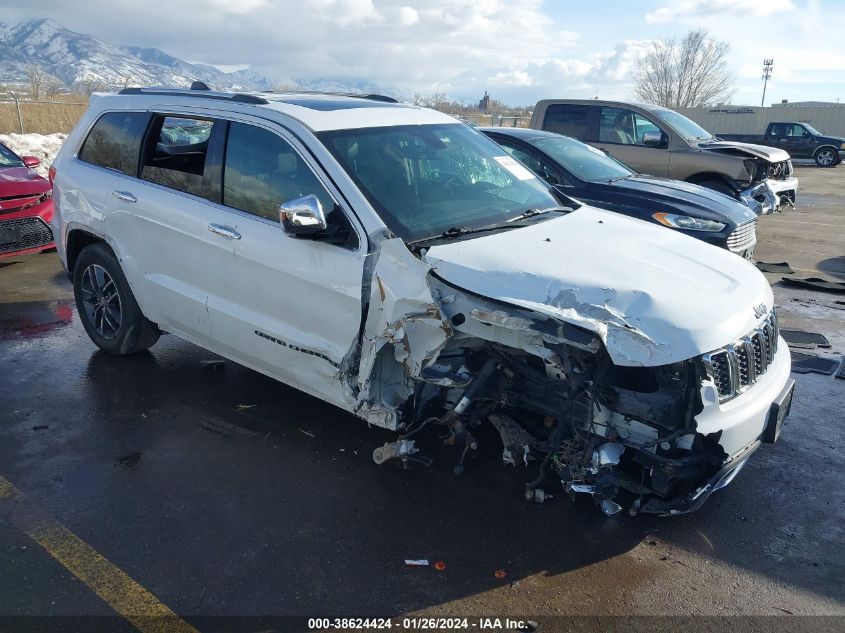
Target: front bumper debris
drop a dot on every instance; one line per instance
(771, 195)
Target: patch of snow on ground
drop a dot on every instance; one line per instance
(43, 146)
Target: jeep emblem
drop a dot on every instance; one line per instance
(760, 310)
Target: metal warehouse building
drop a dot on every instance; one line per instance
(828, 118)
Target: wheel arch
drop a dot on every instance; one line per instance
(77, 240)
(826, 146)
(704, 176)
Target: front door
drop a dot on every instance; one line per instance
(286, 306)
(621, 135)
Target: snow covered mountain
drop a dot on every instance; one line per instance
(80, 60)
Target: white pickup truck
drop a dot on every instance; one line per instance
(400, 265)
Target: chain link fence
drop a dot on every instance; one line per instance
(42, 117)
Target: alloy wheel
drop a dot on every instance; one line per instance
(825, 157)
(101, 301)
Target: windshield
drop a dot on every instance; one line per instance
(426, 179)
(8, 158)
(683, 126)
(581, 160)
(811, 129)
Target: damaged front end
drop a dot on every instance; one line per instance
(625, 435)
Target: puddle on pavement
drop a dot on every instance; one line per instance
(34, 318)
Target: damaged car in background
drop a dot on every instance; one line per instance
(661, 142)
(400, 265)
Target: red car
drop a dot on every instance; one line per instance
(26, 206)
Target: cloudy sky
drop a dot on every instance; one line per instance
(518, 50)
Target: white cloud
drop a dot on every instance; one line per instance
(345, 12)
(511, 78)
(680, 9)
(237, 6)
(408, 16)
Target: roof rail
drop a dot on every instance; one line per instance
(202, 93)
(357, 95)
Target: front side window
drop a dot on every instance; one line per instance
(546, 171)
(114, 141)
(426, 179)
(569, 120)
(8, 158)
(616, 125)
(177, 148)
(262, 171)
(582, 160)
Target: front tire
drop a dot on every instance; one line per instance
(106, 305)
(718, 185)
(826, 157)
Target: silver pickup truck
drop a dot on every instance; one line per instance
(661, 142)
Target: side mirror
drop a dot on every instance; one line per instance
(654, 139)
(303, 216)
(31, 161)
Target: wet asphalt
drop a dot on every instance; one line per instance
(223, 492)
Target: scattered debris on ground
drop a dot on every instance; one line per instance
(836, 305)
(801, 338)
(130, 460)
(814, 283)
(416, 562)
(780, 267)
(806, 363)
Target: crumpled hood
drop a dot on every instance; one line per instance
(20, 181)
(653, 296)
(772, 154)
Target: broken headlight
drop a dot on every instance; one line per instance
(686, 222)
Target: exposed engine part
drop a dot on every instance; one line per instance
(403, 450)
(537, 495)
(518, 443)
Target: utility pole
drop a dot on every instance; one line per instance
(767, 72)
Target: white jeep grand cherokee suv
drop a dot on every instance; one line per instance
(398, 264)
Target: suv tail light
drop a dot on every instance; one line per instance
(51, 174)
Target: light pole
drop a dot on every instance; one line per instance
(767, 72)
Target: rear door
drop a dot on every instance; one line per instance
(106, 161)
(620, 134)
(160, 221)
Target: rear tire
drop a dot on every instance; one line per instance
(826, 157)
(106, 305)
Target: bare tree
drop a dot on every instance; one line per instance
(36, 77)
(687, 73)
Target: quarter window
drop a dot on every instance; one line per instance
(176, 154)
(262, 171)
(114, 141)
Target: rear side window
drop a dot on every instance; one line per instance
(262, 171)
(114, 141)
(177, 148)
(569, 120)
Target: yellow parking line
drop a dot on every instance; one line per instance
(137, 605)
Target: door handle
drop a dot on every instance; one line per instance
(225, 231)
(125, 196)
